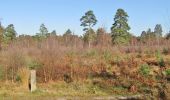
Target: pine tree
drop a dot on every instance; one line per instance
(10, 33)
(120, 28)
(43, 32)
(88, 21)
(158, 30)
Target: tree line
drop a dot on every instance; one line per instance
(119, 35)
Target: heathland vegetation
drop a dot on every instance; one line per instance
(98, 63)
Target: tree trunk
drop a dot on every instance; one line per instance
(45, 77)
(12, 75)
(6, 76)
(89, 44)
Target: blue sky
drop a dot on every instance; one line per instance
(27, 15)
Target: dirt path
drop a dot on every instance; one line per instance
(136, 97)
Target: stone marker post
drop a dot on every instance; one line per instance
(33, 80)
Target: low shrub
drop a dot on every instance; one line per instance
(107, 55)
(91, 53)
(161, 62)
(18, 78)
(138, 55)
(117, 60)
(68, 78)
(165, 51)
(160, 59)
(167, 72)
(144, 69)
(33, 64)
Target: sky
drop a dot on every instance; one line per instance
(60, 15)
